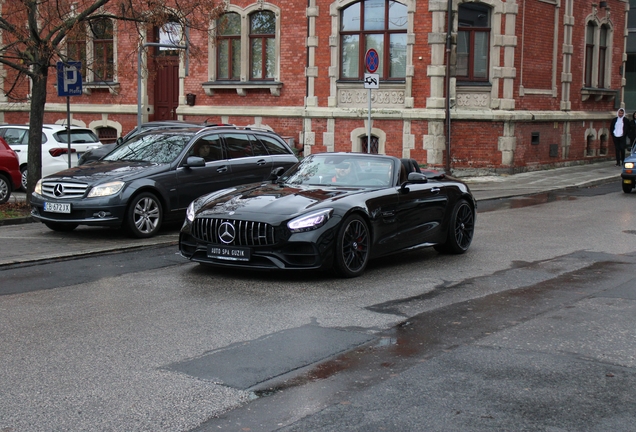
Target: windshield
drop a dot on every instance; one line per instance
(159, 148)
(346, 170)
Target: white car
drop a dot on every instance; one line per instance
(54, 146)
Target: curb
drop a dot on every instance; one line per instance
(16, 221)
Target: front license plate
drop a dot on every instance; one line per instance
(627, 181)
(229, 253)
(57, 207)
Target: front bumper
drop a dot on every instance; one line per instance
(303, 251)
(93, 211)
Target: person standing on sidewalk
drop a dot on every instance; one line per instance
(620, 129)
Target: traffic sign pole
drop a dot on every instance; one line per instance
(372, 62)
(69, 83)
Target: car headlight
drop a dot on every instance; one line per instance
(629, 165)
(190, 212)
(38, 187)
(310, 221)
(106, 189)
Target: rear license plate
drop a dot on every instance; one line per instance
(229, 253)
(627, 181)
(57, 207)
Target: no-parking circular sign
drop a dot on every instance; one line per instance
(372, 60)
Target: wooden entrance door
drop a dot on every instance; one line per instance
(166, 87)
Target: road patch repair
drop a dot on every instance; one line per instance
(246, 365)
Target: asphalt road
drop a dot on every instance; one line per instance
(530, 330)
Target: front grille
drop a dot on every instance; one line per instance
(63, 190)
(235, 232)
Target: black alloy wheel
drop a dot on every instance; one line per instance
(353, 247)
(5, 189)
(61, 226)
(144, 216)
(460, 229)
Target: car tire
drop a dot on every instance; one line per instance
(627, 188)
(353, 247)
(460, 229)
(5, 189)
(61, 226)
(25, 173)
(144, 216)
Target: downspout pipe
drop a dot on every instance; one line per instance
(449, 36)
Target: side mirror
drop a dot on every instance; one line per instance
(194, 162)
(276, 173)
(119, 142)
(413, 178)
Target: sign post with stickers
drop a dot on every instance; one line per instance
(69, 83)
(371, 81)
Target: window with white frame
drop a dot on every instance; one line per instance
(378, 24)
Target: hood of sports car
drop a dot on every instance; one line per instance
(108, 171)
(270, 199)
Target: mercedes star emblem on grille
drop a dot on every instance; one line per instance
(227, 232)
(58, 190)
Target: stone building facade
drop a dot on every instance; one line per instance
(531, 83)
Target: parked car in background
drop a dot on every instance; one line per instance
(99, 152)
(54, 146)
(628, 174)
(154, 176)
(10, 176)
(331, 210)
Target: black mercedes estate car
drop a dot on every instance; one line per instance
(154, 176)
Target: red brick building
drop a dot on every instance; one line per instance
(532, 83)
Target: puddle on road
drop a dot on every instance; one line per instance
(520, 202)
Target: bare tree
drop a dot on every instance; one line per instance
(34, 35)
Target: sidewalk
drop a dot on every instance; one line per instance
(34, 242)
(529, 183)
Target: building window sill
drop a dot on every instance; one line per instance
(242, 87)
(598, 94)
(111, 86)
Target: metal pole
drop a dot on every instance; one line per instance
(369, 125)
(68, 128)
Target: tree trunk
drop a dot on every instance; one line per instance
(36, 120)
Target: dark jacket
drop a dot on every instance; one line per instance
(626, 126)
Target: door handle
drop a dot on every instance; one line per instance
(221, 169)
(435, 190)
(261, 162)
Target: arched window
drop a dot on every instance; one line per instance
(598, 38)
(473, 41)
(589, 53)
(76, 47)
(107, 135)
(229, 47)
(262, 45)
(377, 24)
(375, 144)
(102, 38)
(602, 56)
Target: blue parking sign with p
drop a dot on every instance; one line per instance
(69, 78)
